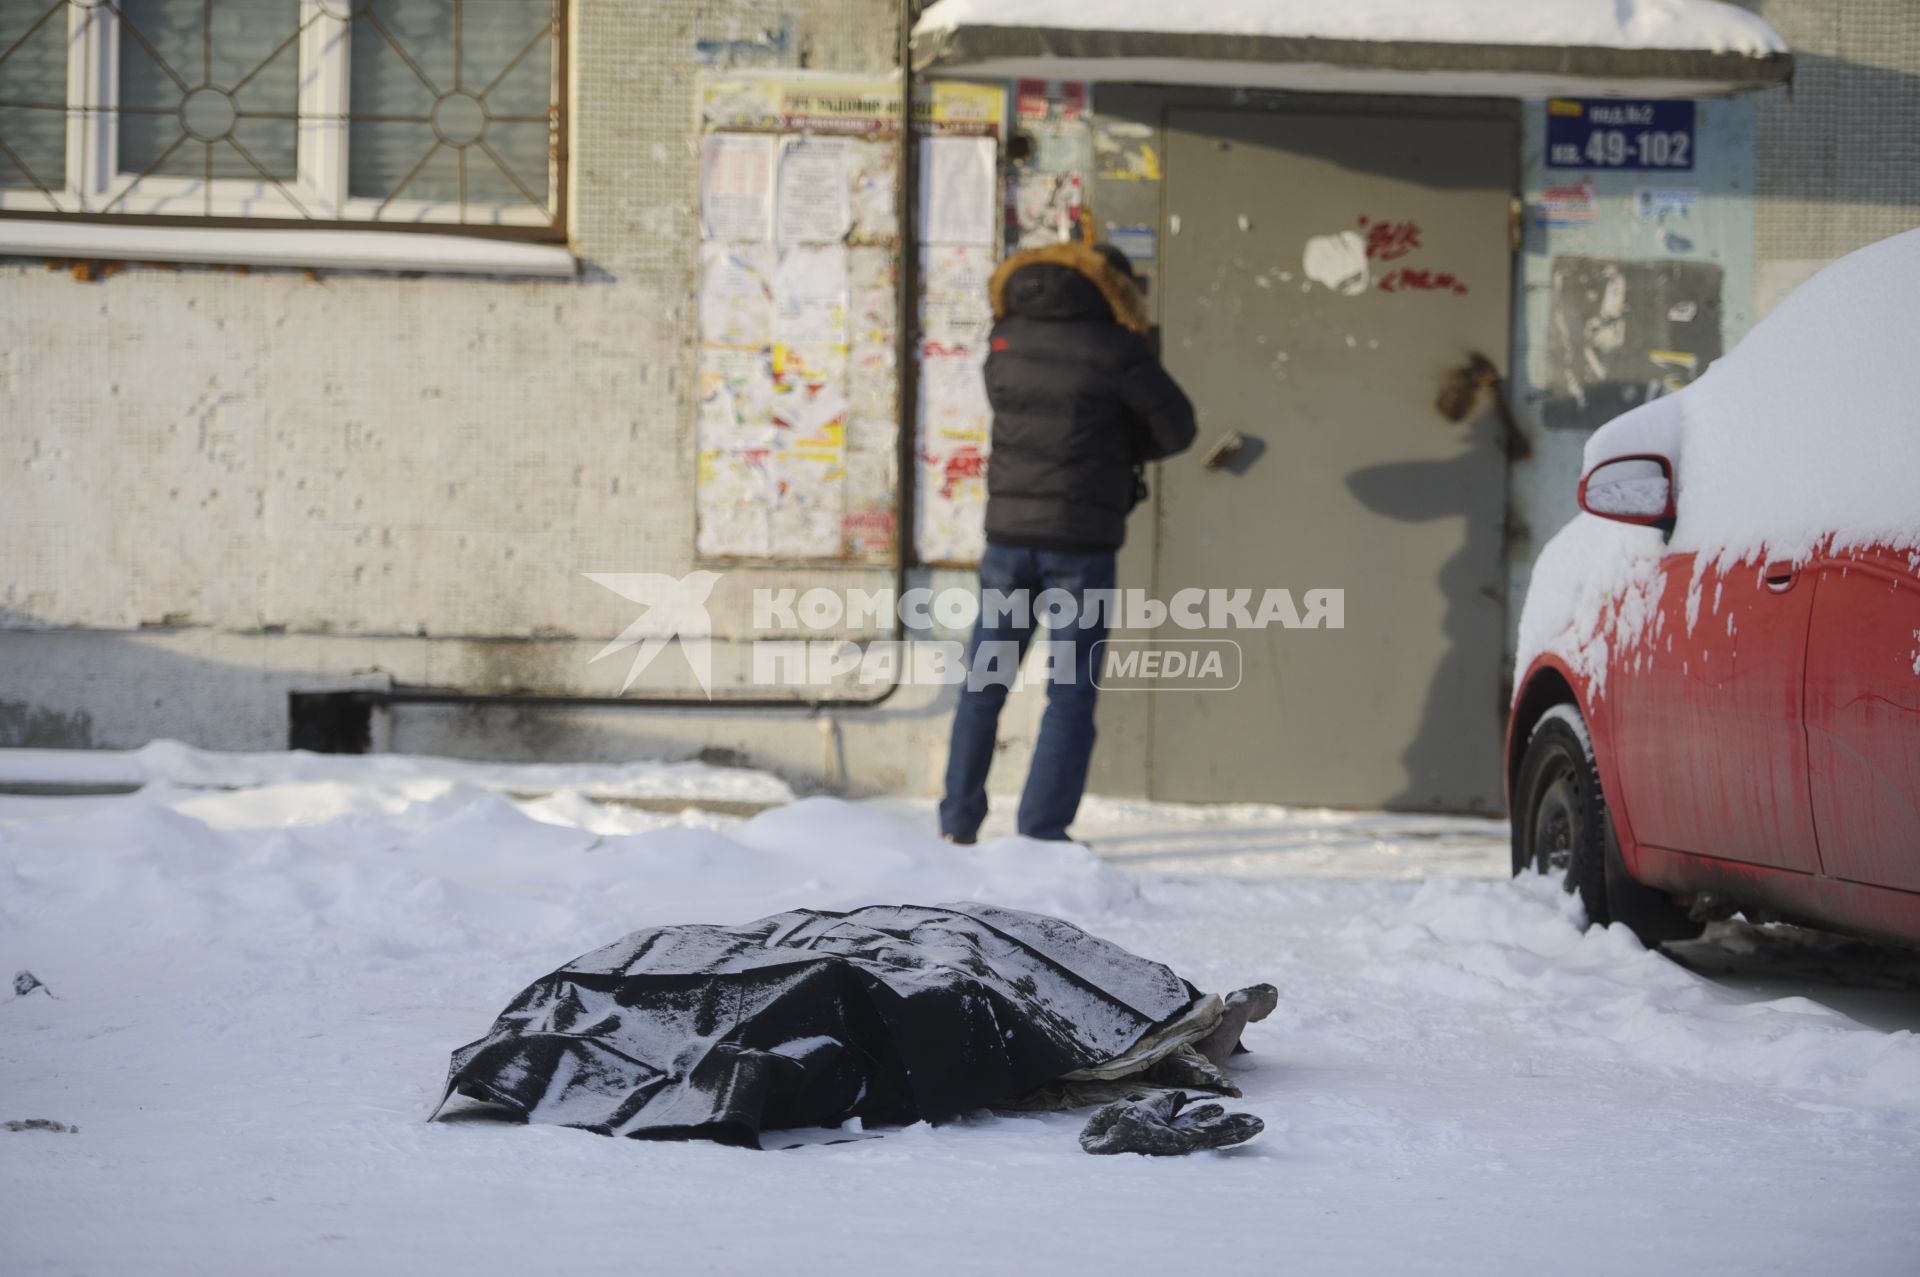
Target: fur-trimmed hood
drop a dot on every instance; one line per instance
(1122, 294)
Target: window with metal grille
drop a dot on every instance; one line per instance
(431, 112)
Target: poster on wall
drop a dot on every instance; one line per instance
(798, 426)
(1047, 186)
(735, 187)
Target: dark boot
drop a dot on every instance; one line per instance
(1244, 1006)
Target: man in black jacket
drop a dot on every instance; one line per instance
(1080, 404)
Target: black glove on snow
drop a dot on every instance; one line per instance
(1154, 1124)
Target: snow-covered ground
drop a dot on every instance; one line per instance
(256, 991)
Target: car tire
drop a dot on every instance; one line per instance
(1560, 823)
(1649, 912)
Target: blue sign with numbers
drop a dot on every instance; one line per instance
(1609, 134)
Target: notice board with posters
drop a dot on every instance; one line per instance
(1622, 332)
(798, 425)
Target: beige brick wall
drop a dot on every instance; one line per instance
(382, 455)
(1839, 156)
(217, 487)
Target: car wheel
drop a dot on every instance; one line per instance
(1649, 912)
(1560, 824)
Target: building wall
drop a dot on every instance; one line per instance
(1715, 232)
(1838, 157)
(1792, 180)
(222, 486)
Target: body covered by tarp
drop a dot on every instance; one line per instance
(891, 1014)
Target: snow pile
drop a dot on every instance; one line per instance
(1522, 951)
(318, 868)
(1800, 438)
(1612, 24)
(254, 993)
(170, 762)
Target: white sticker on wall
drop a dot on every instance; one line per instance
(1338, 262)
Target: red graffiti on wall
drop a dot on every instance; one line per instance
(1387, 241)
(1409, 279)
(968, 463)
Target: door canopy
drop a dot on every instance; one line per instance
(1453, 48)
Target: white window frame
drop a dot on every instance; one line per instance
(95, 185)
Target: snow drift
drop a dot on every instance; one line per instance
(256, 992)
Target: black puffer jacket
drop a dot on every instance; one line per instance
(1078, 401)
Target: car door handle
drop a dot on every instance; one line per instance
(1781, 575)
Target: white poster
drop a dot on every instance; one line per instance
(736, 400)
(805, 521)
(810, 296)
(813, 203)
(736, 186)
(955, 311)
(875, 171)
(959, 196)
(736, 293)
(735, 492)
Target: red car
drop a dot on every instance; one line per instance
(1717, 704)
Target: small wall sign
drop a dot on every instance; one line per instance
(1610, 134)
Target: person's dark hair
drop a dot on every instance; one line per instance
(1115, 258)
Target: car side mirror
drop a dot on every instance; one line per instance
(1637, 489)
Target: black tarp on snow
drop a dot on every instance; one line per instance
(892, 1014)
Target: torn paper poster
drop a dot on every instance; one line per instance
(872, 485)
(813, 202)
(1047, 207)
(955, 313)
(1123, 151)
(799, 287)
(736, 184)
(959, 191)
(953, 403)
(873, 180)
(810, 295)
(956, 424)
(872, 353)
(949, 504)
(810, 507)
(736, 293)
(734, 494)
(873, 283)
(809, 386)
(736, 399)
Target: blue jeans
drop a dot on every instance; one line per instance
(1058, 774)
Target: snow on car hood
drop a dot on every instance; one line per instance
(1805, 431)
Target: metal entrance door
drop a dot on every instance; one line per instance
(1322, 275)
